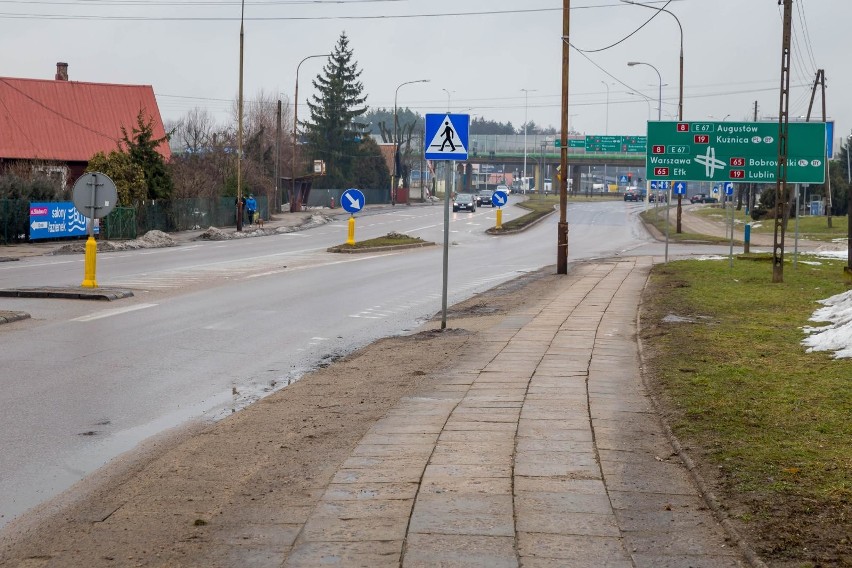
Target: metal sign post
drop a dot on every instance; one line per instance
(95, 196)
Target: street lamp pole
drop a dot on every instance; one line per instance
(526, 99)
(295, 126)
(647, 102)
(396, 138)
(660, 77)
(680, 93)
(448, 100)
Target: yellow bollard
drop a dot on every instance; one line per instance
(499, 219)
(89, 266)
(351, 239)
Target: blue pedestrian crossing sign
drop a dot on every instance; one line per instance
(729, 188)
(352, 200)
(447, 135)
(680, 188)
(499, 198)
(622, 179)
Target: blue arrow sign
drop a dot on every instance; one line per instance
(680, 188)
(352, 200)
(729, 188)
(654, 184)
(447, 135)
(499, 199)
(663, 184)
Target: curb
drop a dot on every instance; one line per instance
(493, 231)
(9, 317)
(703, 488)
(67, 293)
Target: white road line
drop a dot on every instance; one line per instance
(113, 312)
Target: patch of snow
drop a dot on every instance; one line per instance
(837, 336)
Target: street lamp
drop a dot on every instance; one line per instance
(647, 101)
(396, 138)
(605, 84)
(526, 99)
(448, 99)
(680, 91)
(660, 77)
(295, 126)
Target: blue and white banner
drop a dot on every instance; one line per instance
(56, 219)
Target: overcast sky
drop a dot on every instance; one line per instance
(484, 52)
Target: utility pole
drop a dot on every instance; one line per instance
(562, 227)
(240, 130)
(277, 203)
(820, 81)
(781, 209)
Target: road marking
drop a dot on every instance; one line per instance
(113, 312)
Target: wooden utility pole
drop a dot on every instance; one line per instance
(820, 81)
(562, 227)
(781, 209)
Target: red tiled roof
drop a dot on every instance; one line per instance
(70, 121)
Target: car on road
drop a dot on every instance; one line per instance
(483, 197)
(466, 201)
(702, 198)
(504, 188)
(631, 195)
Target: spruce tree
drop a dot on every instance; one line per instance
(142, 148)
(334, 132)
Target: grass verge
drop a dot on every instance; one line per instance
(811, 227)
(391, 239)
(538, 205)
(656, 216)
(770, 423)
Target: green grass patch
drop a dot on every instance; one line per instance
(811, 227)
(538, 205)
(391, 239)
(773, 420)
(656, 216)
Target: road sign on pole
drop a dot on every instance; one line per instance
(447, 135)
(735, 151)
(729, 188)
(680, 188)
(352, 200)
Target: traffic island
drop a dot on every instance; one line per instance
(391, 241)
(70, 293)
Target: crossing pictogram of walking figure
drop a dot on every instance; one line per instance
(448, 135)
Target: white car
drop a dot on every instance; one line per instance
(504, 188)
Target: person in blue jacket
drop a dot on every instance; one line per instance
(251, 208)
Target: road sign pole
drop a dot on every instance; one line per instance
(350, 240)
(91, 259)
(446, 263)
(499, 223)
(668, 199)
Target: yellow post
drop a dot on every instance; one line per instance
(499, 218)
(89, 266)
(351, 239)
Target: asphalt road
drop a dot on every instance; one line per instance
(215, 325)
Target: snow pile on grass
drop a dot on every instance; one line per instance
(837, 336)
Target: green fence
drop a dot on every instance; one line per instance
(129, 222)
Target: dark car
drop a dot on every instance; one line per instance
(483, 197)
(631, 196)
(466, 201)
(702, 198)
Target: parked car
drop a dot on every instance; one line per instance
(465, 201)
(483, 197)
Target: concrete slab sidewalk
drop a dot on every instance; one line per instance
(543, 449)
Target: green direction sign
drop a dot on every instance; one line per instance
(572, 143)
(734, 151)
(635, 144)
(610, 144)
